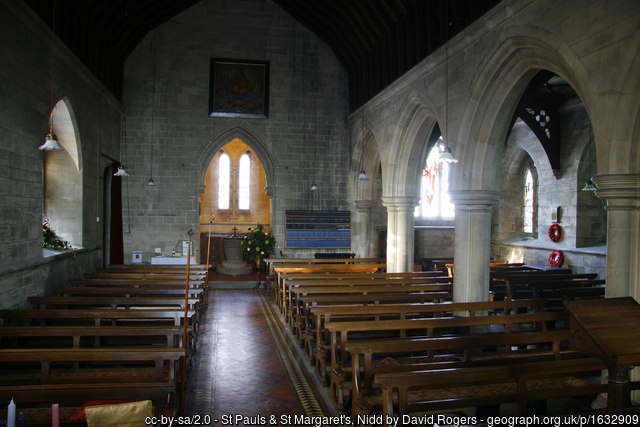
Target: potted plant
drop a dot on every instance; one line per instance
(257, 245)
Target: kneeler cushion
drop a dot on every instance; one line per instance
(131, 414)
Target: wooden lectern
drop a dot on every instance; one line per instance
(608, 329)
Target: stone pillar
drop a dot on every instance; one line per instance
(363, 234)
(400, 232)
(472, 244)
(622, 195)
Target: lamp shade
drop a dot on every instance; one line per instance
(51, 142)
(363, 176)
(121, 172)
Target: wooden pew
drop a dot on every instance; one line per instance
(368, 300)
(145, 276)
(342, 332)
(357, 265)
(296, 312)
(374, 356)
(289, 280)
(128, 290)
(96, 317)
(92, 287)
(320, 315)
(73, 376)
(135, 283)
(343, 286)
(427, 390)
(90, 336)
(116, 302)
(514, 284)
(325, 268)
(196, 268)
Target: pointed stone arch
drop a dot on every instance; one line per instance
(622, 141)
(408, 147)
(204, 156)
(365, 157)
(496, 91)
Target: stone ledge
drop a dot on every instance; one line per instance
(534, 244)
(52, 257)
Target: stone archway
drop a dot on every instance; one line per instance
(63, 177)
(235, 142)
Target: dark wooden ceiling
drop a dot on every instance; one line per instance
(375, 40)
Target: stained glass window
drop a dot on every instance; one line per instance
(434, 188)
(528, 194)
(224, 181)
(244, 182)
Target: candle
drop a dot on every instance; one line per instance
(55, 419)
(11, 414)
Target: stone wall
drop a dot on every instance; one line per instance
(24, 117)
(303, 140)
(434, 241)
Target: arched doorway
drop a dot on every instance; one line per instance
(234, 197)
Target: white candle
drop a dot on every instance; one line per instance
(55, 419)
(11, 414)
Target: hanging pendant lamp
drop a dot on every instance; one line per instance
(51, 140)
(121, 172)
(446, 155)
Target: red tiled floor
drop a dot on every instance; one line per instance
(237, 369)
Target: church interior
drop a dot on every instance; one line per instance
(290, 212)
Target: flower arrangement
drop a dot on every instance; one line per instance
(50, 240)
(257, 244)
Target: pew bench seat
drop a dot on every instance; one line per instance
(418, 391)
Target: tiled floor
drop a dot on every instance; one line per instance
(239, 369)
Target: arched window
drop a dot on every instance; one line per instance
(528, 194)
(224, 181)
(434, 188)
(62, 178)
(244, 182)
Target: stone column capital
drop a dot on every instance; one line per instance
(400, 202)
(621, 191)
(364, 205)
(474, 199)
(269, 191)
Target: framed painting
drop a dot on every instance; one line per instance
(238, 88)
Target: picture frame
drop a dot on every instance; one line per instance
(239, 88)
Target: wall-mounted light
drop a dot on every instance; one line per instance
(314, 187)
(363, 176)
